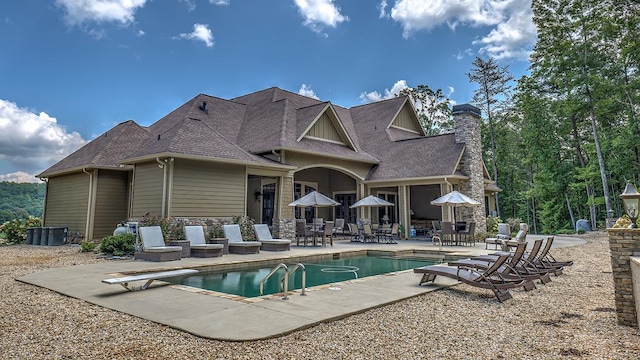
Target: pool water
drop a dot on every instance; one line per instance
(246, 283)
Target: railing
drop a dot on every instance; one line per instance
(284, 283)
(273, 271)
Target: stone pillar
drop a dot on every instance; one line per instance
(467, 130)
(624, 243)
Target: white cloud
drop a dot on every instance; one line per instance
(368, 97)
(19, 177)
(450, 91)
(383, 9)
(201, 32)
(82, 11)
(219, 2)
(320, 13)
(513, 32)
(32, 142)
(308, 92)
(190, 4)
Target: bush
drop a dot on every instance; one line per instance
(492, 224)
(15, 231)
(118, 245)
(87, 246)
(172, 228)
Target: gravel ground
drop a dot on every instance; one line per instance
(572, 317)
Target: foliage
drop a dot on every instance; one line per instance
(492, 224)
(432, 107)
(625, 222)
(88, 246)
(15, 231)
(21, 200)
(172, 228)
(118, 245)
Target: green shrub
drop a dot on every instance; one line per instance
(581, 231)
(15, 231)
(172, 228)
(492, 225)
(118, 245)
(87, 246)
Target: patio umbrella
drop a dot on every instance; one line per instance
(316, 200)
(371, 201)
(454, 199)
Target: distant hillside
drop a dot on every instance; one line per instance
(19, 200)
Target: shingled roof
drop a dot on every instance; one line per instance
(103, 152)
(240, 129)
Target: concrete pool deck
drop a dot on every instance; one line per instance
(218, 316)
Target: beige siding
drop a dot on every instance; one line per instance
(111, 202)
(203, 189)
(67, 200)
(303, 160)
(406, 120)
(147, 190)
(324, 129)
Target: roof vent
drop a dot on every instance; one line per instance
(203, 107)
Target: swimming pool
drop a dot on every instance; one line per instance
(246, 283)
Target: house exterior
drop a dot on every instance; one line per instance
(254, 154)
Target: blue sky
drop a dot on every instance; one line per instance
(72, 69)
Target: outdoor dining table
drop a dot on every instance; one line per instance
(460, 227)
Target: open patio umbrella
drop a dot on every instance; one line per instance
(371, 201)
(316, 200)
(454, 199)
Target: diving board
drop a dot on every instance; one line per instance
(149, 277)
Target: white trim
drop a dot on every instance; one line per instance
(404, 129)
(332, 167)
(325, 140)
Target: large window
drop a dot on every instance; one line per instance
(390, 211)
(343, 211)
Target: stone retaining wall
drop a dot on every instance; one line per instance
(625, 250)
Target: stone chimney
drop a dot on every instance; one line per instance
(467, 130)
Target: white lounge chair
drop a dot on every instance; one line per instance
(199, 246)
(153, 247)
(268, 242)
(236, 244)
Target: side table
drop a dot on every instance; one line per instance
(185, 244)
(223, 241)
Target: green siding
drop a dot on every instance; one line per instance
(67, 200)
(147, 190)
(406, 120)
(203, 189)
(111, 202)
(324, 129)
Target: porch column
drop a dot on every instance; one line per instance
(403, 213)
(286, 218)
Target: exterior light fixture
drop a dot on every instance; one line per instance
(631, 199)
(258, 195)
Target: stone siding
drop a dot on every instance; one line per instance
(624, 244)
(467, 127)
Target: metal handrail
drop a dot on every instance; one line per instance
(273, 271)
(304, 277)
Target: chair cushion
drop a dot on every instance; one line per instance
(207, 246)
(163, 248)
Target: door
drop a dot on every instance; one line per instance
(343, 211)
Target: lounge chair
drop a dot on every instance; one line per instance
(268, 242)
(236, 244)
(154, 248)
(546, 261)
(527, 260)
(302, 232)
(199, 246)
(486, 279)
(515, 268)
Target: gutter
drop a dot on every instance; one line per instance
(89, 204)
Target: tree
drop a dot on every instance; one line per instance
(433, 108)
(492, 95)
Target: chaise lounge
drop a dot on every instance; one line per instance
(268, 242)
(154, 248)
(486, 279)
(199, 246)
(236, 244)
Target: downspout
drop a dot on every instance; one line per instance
(89, 204)
(46, 196)
(163, 166)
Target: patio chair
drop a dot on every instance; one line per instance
(302, 232)
(486, 279)
(338, 227)
(527, 261)
(327, 233)
(354, 232)
(268, 242)
(545, 260)
(367, 233)
(448, 232)
(236, 244)
(394, 235)
(504, 233)
(199, 246)
(468, 233)
(154, 248)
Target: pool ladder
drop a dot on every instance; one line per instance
(284, 283)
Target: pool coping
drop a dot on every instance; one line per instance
(223, 318)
